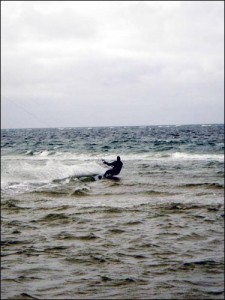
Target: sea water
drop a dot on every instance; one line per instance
(157, 232)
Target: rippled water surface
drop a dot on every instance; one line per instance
(155, 232)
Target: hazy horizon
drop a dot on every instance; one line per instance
(154, 125)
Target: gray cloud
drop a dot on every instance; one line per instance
(112, 63)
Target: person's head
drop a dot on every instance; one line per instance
(118, 158)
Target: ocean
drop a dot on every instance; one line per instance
(155, 232)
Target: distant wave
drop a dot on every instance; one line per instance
(204, 185)
(189, 156)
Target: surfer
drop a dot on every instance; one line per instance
(117, 166)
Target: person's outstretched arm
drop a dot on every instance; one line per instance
(108, 164)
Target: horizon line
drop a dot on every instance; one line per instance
(101, 126)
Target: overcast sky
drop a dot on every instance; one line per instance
(111, 63)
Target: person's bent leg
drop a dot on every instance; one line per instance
(108, 173)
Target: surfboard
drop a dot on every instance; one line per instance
(97, 177)
(90, 178)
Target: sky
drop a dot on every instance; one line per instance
(111, 63)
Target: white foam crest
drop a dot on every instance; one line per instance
(62, 158)
(18, 187)
(150, 156)
(47, 153)
(27, 177)
(58, 170)
(52, 169)
(189, 156)
(57, 155)
(136, 156)
(53, 155)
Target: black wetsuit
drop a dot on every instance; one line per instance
(117, 166)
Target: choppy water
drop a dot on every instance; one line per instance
(155, 233)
